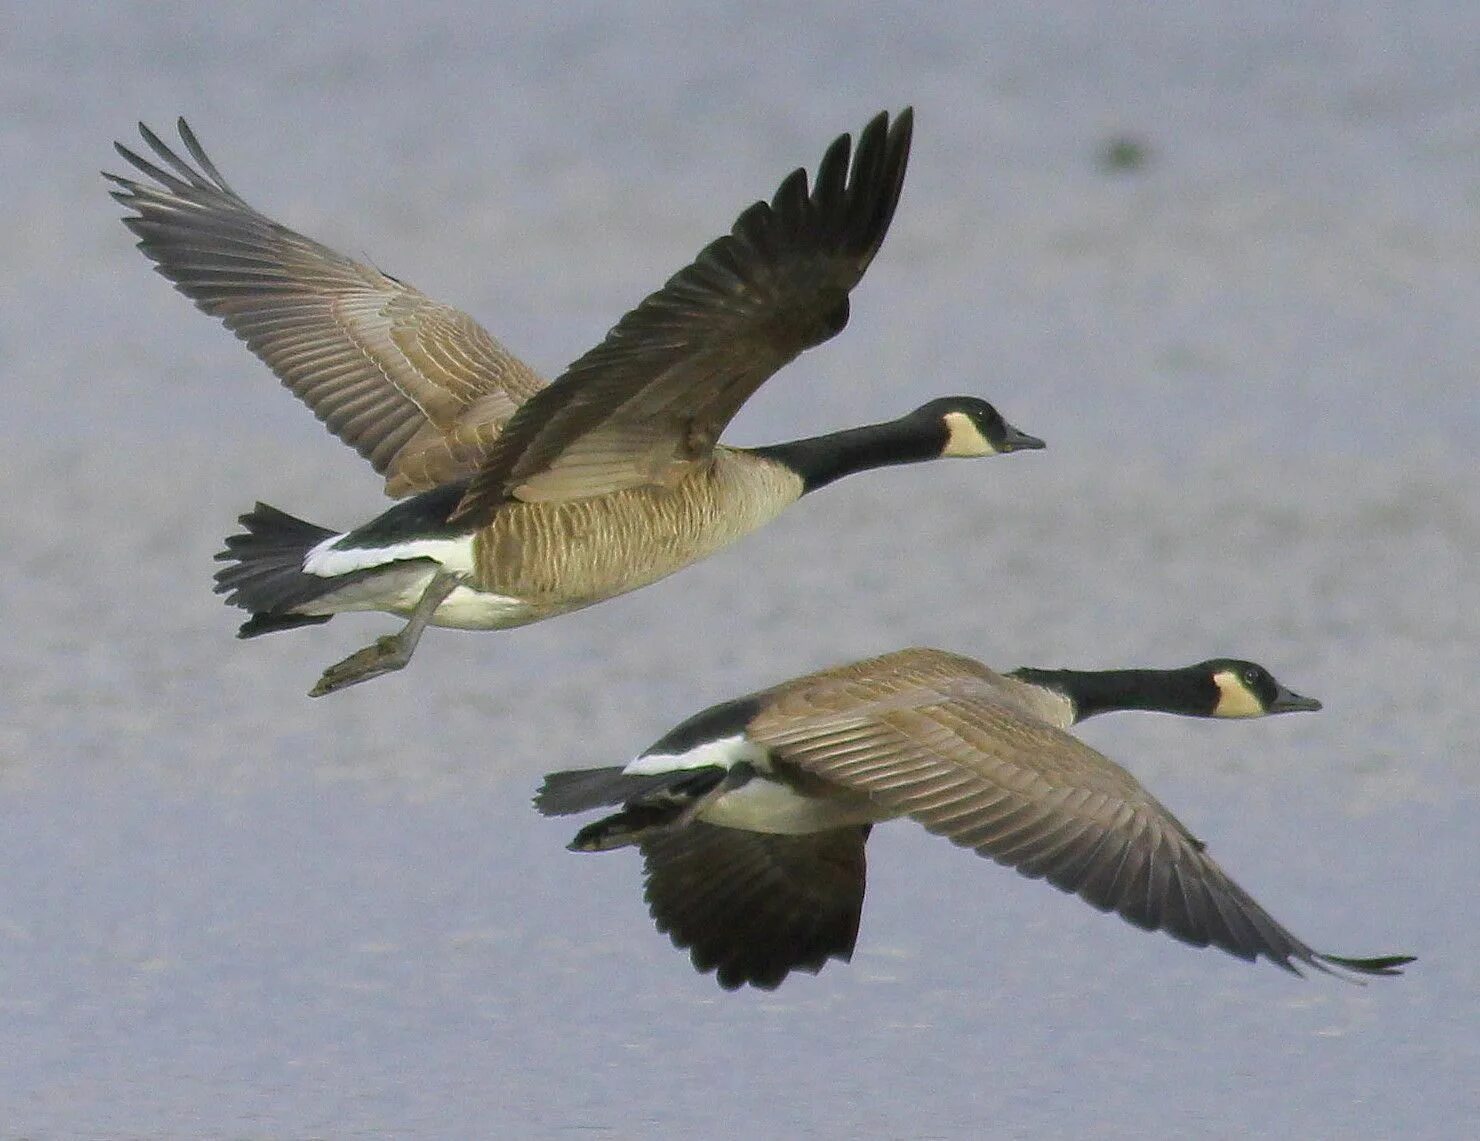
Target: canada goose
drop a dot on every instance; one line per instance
(530, 500)
(752, 815)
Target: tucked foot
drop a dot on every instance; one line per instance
(384, 655)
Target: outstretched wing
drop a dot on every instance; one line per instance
(975, 769)
(753, 906)
(416, 387)
(650, 401)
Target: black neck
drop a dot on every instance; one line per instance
(820, 460)
(1108, 691)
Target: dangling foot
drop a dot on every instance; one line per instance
(384, 655)
(391, 652)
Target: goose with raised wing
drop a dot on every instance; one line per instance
(752, 816)
(528, 500)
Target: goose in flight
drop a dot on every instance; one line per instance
(752, 816)
(521, 500)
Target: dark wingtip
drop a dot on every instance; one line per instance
(124, 153)
(904, 125)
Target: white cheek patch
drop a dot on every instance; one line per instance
(964, 438)
(328, 561)
(725, 753)
(1234, 697)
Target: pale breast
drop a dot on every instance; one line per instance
(568, 554)
(762, 805)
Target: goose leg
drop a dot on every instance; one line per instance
(393, 651)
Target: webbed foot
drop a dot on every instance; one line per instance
(384, 655)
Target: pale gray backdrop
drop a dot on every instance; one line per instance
(228, 910)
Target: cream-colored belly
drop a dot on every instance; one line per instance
(466, 608)
(469, 609)
(762, 805)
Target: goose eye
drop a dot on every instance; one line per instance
(1251, 677)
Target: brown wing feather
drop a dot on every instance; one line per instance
(652, 399)
(416, 387)
(955, 755)
(752, 906)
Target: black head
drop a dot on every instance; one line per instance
(1247, 689)
(972, 427)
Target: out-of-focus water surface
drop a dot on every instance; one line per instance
(232, 911)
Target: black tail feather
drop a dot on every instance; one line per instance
(266, 572)
(268, 623)
(580, 790)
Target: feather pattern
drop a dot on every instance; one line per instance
(415, 386)
(649, 403)
(758, 869)
(753, 906)
(931, 736)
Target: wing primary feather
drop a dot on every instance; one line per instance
(750, 302)
(197, 152)
(325, 323)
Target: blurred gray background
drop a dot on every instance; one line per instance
(232, 911)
